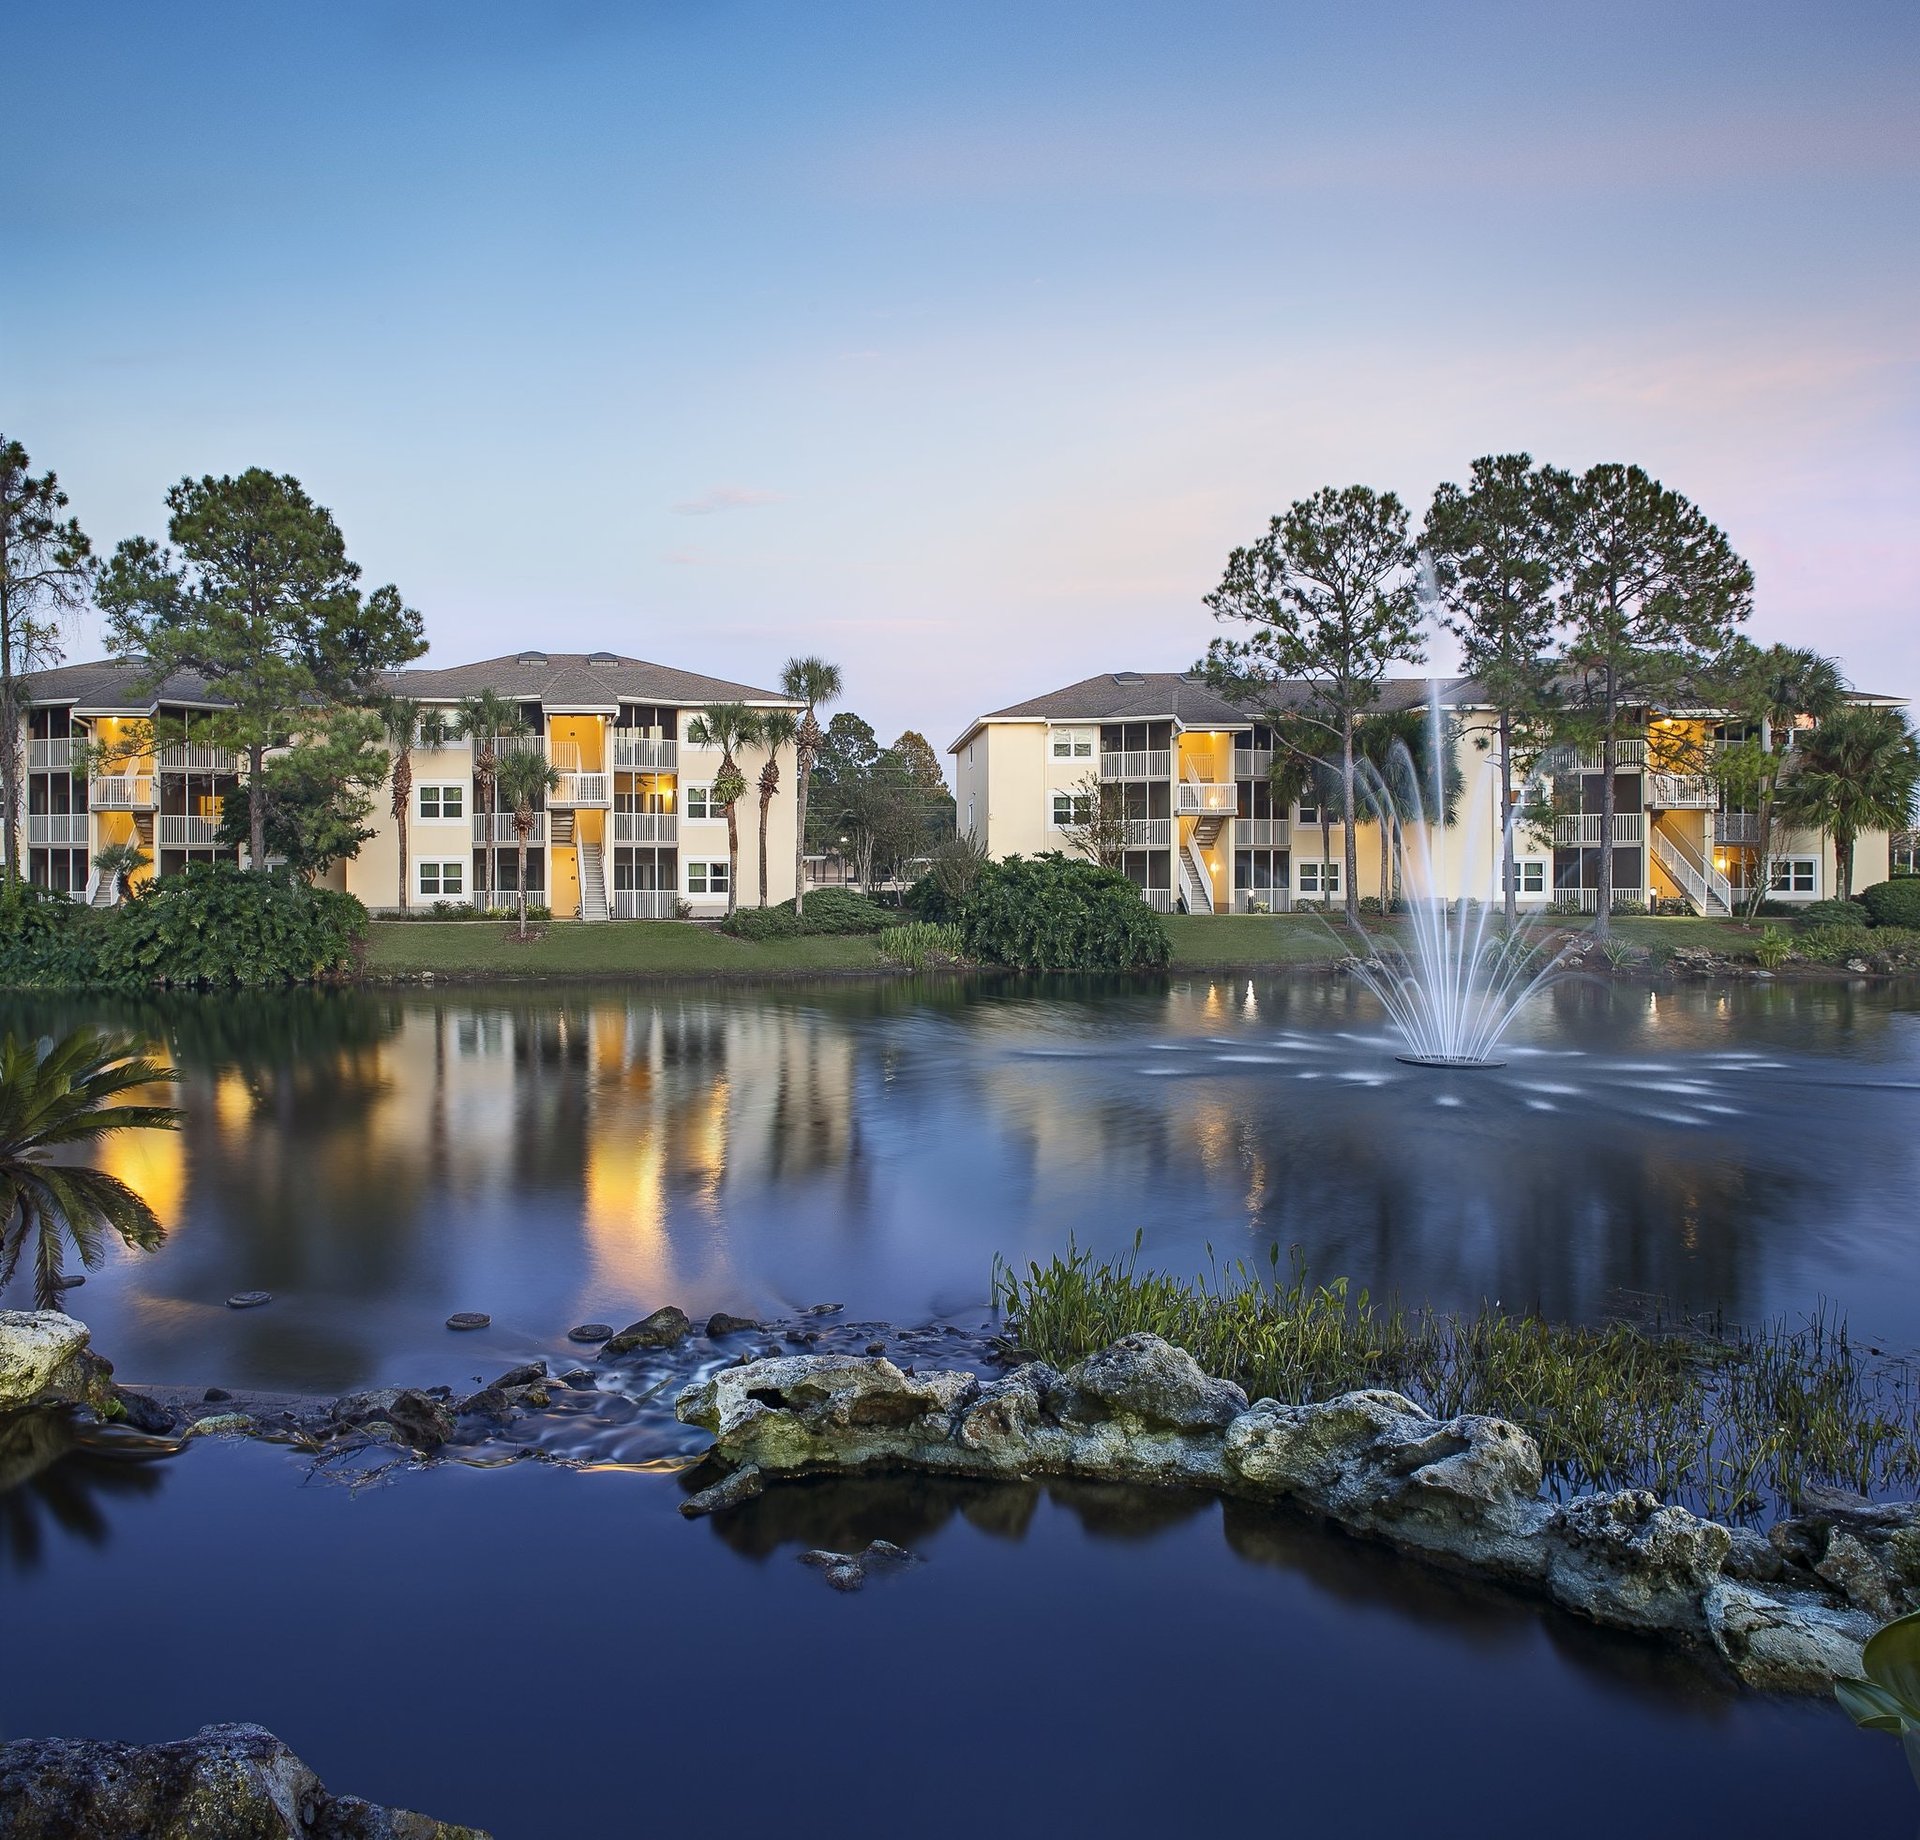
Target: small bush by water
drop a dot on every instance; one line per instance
(1732, 1422)
(1894, 903)
(827, 911)
(1055, 913)
(921, 943)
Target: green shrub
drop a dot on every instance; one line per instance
(217, 924)
(1883, 947)
(1627, 907)
(1834, 913)
(1054, 913)
(828, 910)
(48, 941)
(921, 943)
(1895, 903)
(1772, 948)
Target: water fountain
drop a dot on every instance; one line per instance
(1455, 983)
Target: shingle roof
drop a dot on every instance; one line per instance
(560, 678)
(570, 678)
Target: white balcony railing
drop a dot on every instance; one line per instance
(1149, 763)
(1736, 827)
(193, 757)
(1581, 829)
(503, 831)
(1159, 899)
(57, 827)
(45, 756)
(644, 754)
(519, 744)
(1682, 792)
(645, 903)
(1262, 833)
(184, 831)
(1149, 833)
(1199, 797)
(121, 792)
(1262, 900)
(1627, 756)
(582, 789)
(1252, 763)
(646, 827)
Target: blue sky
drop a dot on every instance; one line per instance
(961, 343)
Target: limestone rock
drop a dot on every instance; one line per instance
(1143, 1377)
(34, 1346)
(665, 1328)
(230, 1782)
(1628, 1560)
(721, 1323)
(423, 1421)
(850, 1571)
(1004, 1423)
(1781, 1642)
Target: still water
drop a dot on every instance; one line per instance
(553, 1651)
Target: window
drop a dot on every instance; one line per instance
(706, 878)
(443, 801)
(1310, 815)
(444, 880)
(1071, 808)
(1796, 875)
(1903, 854)
(1310, 877)
(1072, 744)
(1530, 875)
(699, 803)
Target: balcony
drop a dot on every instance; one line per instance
(1262, 901)
(57, 828)
(582, 789)
(1159, 899)
(644, 754)
(503, 831)
(1149, 834)
(1682, 792)
(1262, 833)
(192, 757)
(121, 792)
(1736, 827)
(184, 831)
(1205, 798)
(1628, 757)
(49, 756)
(1151, 763)
(1581, 829)
(645, 904)
(1252, 763)
(646, 827)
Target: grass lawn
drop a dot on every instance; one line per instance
(1200, 940)
(1693, 932)
(652, 948)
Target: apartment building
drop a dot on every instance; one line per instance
(1206, 834)
(631, 831)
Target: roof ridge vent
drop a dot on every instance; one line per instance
(531, 658)
(1131, 679)
(602, 658)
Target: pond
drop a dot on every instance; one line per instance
(547, 1650)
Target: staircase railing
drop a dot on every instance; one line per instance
(1199, 885)
(1703, 883)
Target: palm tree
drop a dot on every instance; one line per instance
(778, 728)
(523, 776)
(400, 717)
(815, 683)
(484, 720)
(1859, 770)
(729, 727)
(120, 860)
(56, 1094)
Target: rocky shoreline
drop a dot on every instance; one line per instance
(1786, 1611)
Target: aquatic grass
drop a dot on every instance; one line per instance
(920, 943)
(1732, 1422)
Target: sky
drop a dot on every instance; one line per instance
(960, 344)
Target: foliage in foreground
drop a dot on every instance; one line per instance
(54, 1096)
(921, 943)
(827, 910)
(1888, 1698)
(1053, 913)
(1884, 948)
(1734, 1423)
(214, 925)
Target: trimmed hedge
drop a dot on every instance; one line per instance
(1894, 903)
(216, 925)
(828, 910)
(1055, 913)
(1834, 913)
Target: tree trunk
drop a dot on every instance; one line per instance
(803, 786)
(10, 781)
(1351, 846)
(402, 798)
(1603, 900)
(1326, 853)
(733, 857)
(1509, 869)
(766, 801)
(522, 827)
(256, 807)
(1843, 842)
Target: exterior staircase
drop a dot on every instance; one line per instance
(560, 826)
(593, 883)
(1196, 886)
(103, 890)
(1707, 890)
